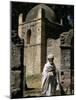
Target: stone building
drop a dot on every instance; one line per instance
(38, 30)
(43, 34)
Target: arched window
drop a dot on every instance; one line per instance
(28, 36)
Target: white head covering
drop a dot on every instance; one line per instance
(50, 56)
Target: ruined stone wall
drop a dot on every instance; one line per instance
(16, 79)
(32, 51)
(53, 46)
(66, 60)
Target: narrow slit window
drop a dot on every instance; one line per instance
(28, 36)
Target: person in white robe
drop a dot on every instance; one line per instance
(49, 81)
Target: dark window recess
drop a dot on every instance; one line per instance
(28, 36)
(62, 73)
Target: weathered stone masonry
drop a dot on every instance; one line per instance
(16, 66)
(42, 34)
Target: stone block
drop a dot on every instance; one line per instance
(15, 57)
(15, 80)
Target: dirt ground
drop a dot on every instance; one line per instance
(34, 86)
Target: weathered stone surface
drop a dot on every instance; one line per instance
(32, 51)
(33, 64)
(66, 38)
(53, 46)
(15, 80)
(46, 37)
(16, 56)
(65, 81)
(65, 58)
(66, 61)
(16, 66)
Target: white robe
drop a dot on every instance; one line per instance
(48, 80)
